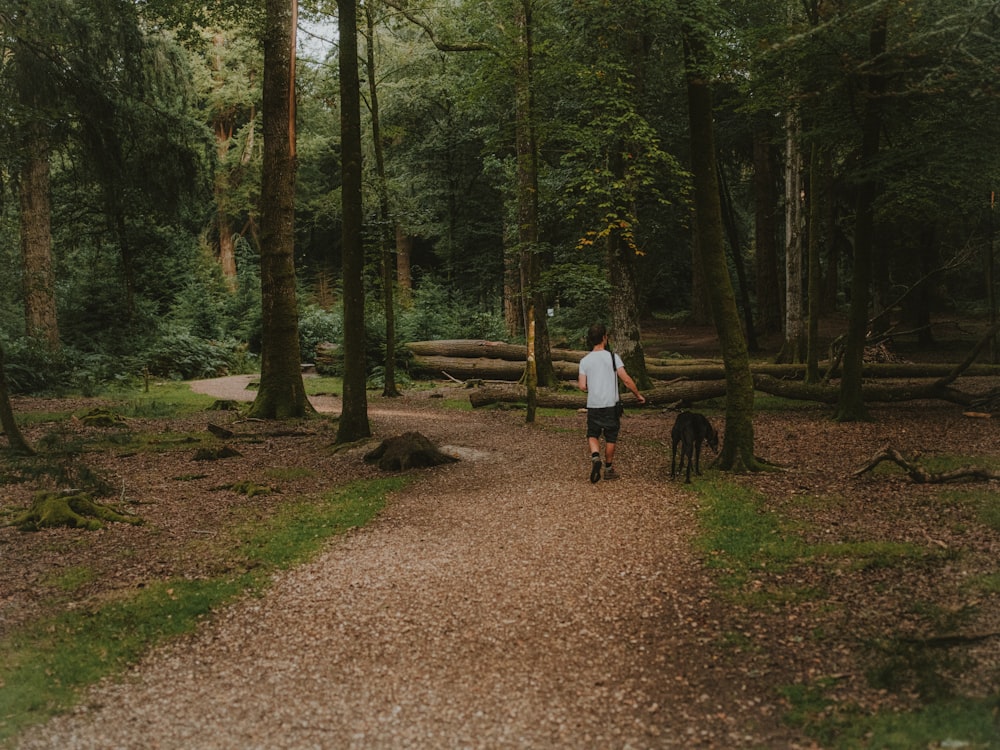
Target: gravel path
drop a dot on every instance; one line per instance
(499, 602)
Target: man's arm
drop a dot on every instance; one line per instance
(630, 384)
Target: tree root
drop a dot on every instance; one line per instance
(71, 508)
(920, 475)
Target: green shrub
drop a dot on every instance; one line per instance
(317, 326)
(181, 355)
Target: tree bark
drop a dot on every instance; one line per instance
(794, 347)
(404, 278)
(354, 416)
(40, 317)
(282, 394)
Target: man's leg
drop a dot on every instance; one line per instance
(609, 457)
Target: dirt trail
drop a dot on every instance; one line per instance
(500, 602)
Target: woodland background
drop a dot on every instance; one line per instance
(810, 179)
(132, 142)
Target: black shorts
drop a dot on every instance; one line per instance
(604, 420)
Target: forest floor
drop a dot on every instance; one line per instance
(504, 601)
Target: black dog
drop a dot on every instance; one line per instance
(690, 430)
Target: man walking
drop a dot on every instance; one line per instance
(600, 371)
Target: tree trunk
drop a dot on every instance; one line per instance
(852, 406)
(354, 416)
(793, 349)
(736, 250)
(765, 234)
(14, 437)
(404, 278)
(624, 334)
(223, 128)
(738, 449)
(701, 309)
(385, 224)
(991, 291)
(625, 338)
(536, 326)
(282, 394)
(815, 209)
(40, 318)
(513, 301)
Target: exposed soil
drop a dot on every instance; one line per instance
(569, 614)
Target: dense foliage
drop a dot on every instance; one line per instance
(149, 119)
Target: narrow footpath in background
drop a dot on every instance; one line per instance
(499, 602)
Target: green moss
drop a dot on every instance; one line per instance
(77, 511)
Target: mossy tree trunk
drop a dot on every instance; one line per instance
(282, 394)
(738, 447)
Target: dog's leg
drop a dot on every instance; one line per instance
(688, 440)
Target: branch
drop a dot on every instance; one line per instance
(950, 377)
(920, 475)
(400, 5)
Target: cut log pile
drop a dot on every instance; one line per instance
(499, 368)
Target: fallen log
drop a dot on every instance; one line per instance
(681, 393)
(476, 348)
(434, 366)
(871, 393)
(686, 393)
(921, 475)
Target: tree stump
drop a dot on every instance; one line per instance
(73, 509)
(411, 450)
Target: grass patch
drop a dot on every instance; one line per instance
(43, 667)
(962, 723)
(71, 579)
(323, 385)
(26, 419)
(163, 399)
(744, 543)
(982, 502)
(738, 536)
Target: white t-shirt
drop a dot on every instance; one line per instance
(602, 379)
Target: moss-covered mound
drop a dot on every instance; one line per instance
(76, 510)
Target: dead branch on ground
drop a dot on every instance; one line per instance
(921, 475)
